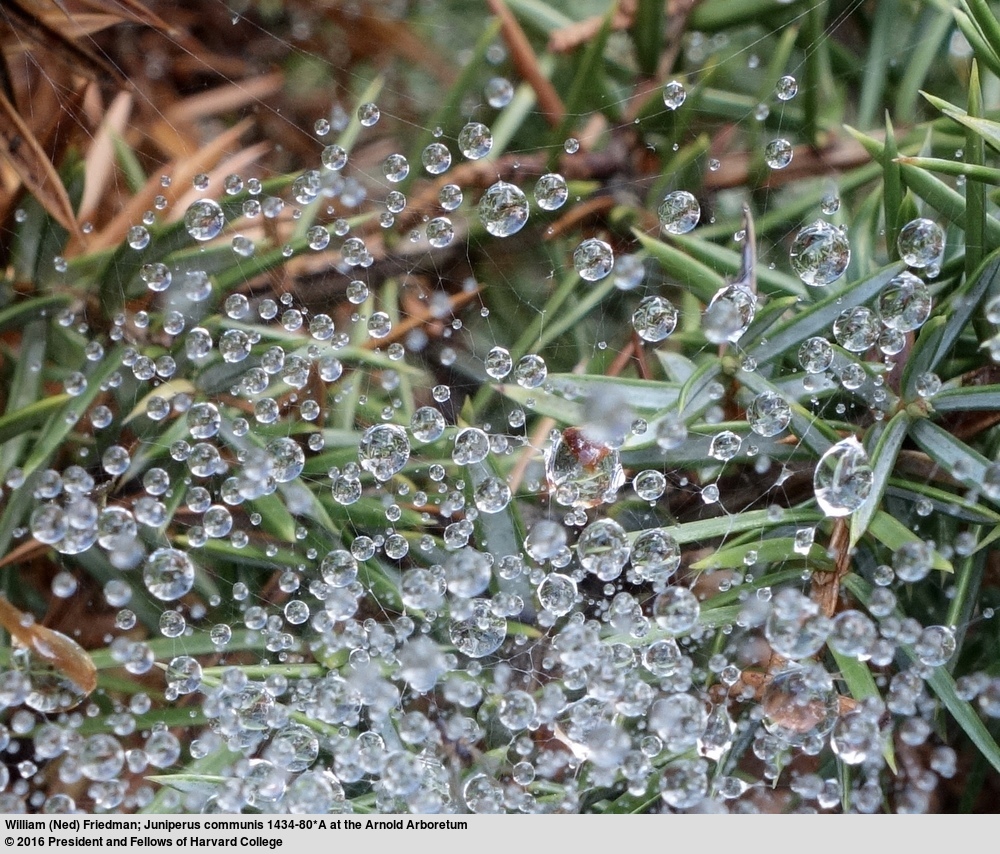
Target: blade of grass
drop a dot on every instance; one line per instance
(883, 463)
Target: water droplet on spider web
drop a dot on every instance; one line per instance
(921, 243)
(581, 472)
(676, 610)
(499, 91)
(654, 319)
(168, 574)
(476, 631)
(204, 219)
(603, 549)
(384, 450)
(843, 478)
(427, 424)
(820, 253)
(530, 371)
(815, 355)
(778, 153)
(679, 212)
(856, 329)
(729, 314)
(655, 556)
(440, 232)
(369, 114)
(503, 209)
(768, 414)
(557, 594)
(551, 191)
(498, 363)
(674, 94)
(475, 140)
(905, 303)
(395, 168)
(787, 88)
(800, 702)
(593, 259)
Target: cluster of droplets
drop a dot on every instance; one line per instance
(584, 644)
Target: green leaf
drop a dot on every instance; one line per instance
(772, 550)
(967, 398)
(937, 339)
(698, 277)
(647, 33)
(725, 526)
(952, 455)
(861, 684)
(893, 534)
(883, 463)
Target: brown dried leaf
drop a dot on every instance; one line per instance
(571, 37)
(61, 652)
(25, 154)
(27, 20)
(526, 64)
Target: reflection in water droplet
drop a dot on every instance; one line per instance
(843, 478)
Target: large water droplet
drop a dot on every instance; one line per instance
(582, 473)
(905, 303)
(593, 259)
(384, 450)
(843, 478)
(679, 212)
(820, 253)
(503, 209)
(921, 243)
(729, 314)
(204, 219)
(168, 574)
(768, 414)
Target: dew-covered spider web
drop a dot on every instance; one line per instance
(442, 413)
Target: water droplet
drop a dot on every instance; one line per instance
(582, 473)
(728, 315)
(820, 253)
(679, 212)
(168, 574)
(498, 363)
(856, 329)
(557, 594)
(676, 610)
(503, 209)
(815, 355)
(778, 153)
(204, 219)
(395, 168)
(436, 158)
(551, 191)
(787, 88)
(499, 92)
(921, 243)
(768, 414)
(593, 259)
(475, 140)
(843, 478)
(674, 94)
(904, 303)
(369, 114)
(530, 371)
(384, 450)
